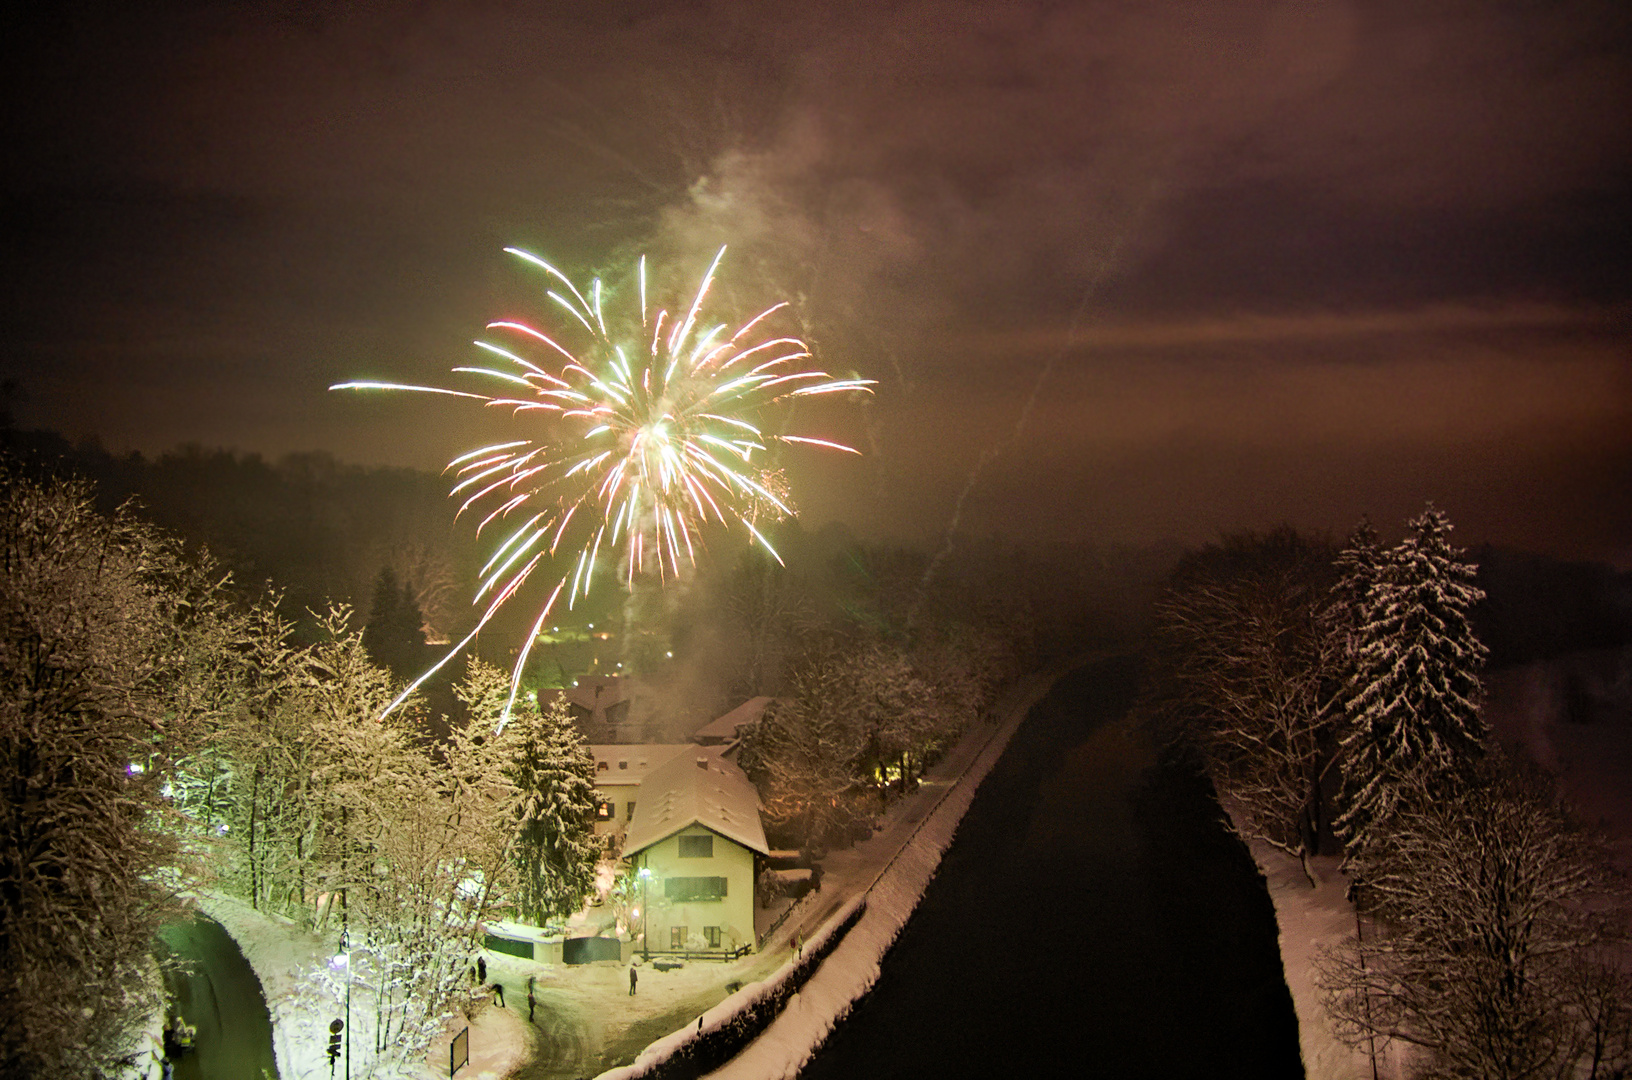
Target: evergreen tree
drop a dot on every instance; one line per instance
(555, 848)
(395, 634)
(1412, 695)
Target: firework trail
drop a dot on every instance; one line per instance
(629, 447)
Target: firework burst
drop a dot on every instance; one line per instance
(635, 442)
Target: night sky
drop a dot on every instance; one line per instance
(1125, 271)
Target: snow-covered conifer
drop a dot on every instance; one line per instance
(1412, 693)
(555, 848)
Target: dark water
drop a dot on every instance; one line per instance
(221, 997)
(1093, 918)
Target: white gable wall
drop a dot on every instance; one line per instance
(677, 919)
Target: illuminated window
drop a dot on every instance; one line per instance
(697, 847)
(604, 811)
(685, 890)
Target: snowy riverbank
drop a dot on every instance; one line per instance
(1527, 708)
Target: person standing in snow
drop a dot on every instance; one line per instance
(634, 977)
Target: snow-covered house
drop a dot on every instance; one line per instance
(724, 731)
(619, 770)
(602, 708)
(693, 842)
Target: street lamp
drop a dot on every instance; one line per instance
(645, 914)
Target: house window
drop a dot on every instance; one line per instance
(623, 764)
(692, 889)
(677, 937)
(631, 816)
(697, 847)
(604, 811)
(601, 766)
(712, 934)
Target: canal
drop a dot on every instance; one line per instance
(219, 995)
(1094, 917)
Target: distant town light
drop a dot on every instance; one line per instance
(135, 769)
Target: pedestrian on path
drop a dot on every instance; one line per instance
(634, 977)
(531, 1001)
(498, 992)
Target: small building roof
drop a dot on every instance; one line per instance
(725, 728)
(597, 691)
(696, 788)
(631, 763)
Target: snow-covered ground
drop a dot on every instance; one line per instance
(1529, 710)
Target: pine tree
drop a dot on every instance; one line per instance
(1412, 694)
(395, 634)
(555, 848)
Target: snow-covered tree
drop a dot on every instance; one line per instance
(1493, 915)
(554, 851)
(1243, 672)
(1412, 694)
(806, 760)
(111, 648)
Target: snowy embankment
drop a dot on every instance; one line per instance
(1311, 919)
(282, 958)
(1528, 709)
(303, 996)
(810, 997)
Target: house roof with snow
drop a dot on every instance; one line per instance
(630, 763)
(594, 692)
(725, 728)
(696, 788)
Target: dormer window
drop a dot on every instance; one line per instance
(623, 764)
(601, 766)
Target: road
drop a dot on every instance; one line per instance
(220, 995)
